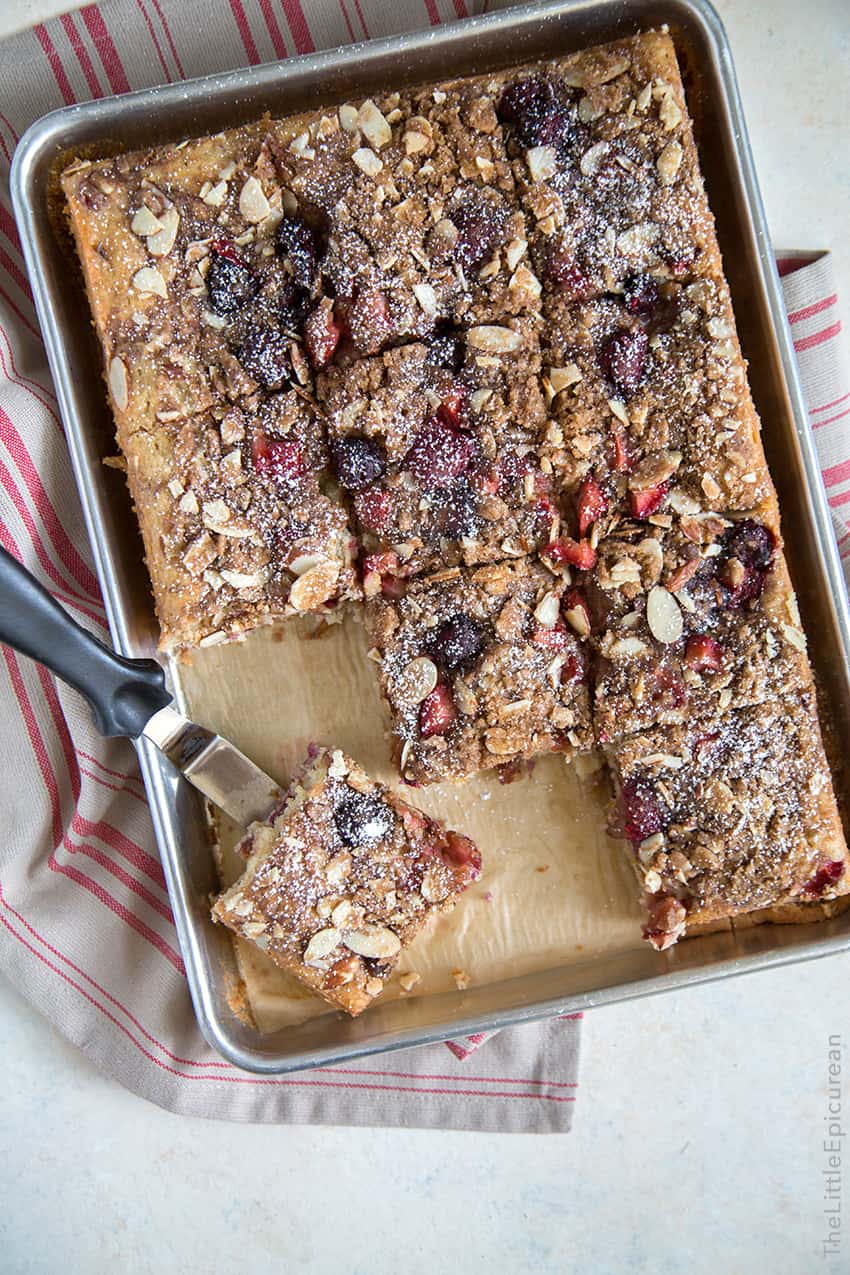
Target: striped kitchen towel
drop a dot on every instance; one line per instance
(86, 931)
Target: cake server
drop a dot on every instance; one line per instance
(128, 697)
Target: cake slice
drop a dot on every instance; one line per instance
(239, 526)
(342, 878)
(690, 620)
(479, 669)
(607, 167)
(649, 397)
(729, 816)
(437, 447)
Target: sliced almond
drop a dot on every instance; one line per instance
(663, 615)
(144, 222)
(415, 142)
(161, 243)
(416, 680)
(216, 195)
(427, 298)
(367, 161)
(373, 940)
(493, 340)
(321, 945)
(348, 118)
(592, 158)
(245, 579)
(668, 163)
(149, 280)
(547, 610)
(560, 378)
(373, 124)
(253, 204)
(542, 162)
(315, 587)
(118, 384)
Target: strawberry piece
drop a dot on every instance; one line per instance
(578, 553)
(551, 639)
(438, 453)
(321, 334)
(572, 669)
(452, 410)
(592, 504)
(623, 462)
(486, 482)
(648, 501)
(226, 248)
(642, 810)
(373, 507)
(703, 654)
(576, 612)
(437, 712)
(825, 876)
(460, 851)
(564, 271)
(282, 458)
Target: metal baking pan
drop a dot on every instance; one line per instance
(478, 45)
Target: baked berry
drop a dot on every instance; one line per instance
(554, 638)
(436, 712)
(826, 876)
(456, 509)
(362, 819)
(459, 850)
(373, 506)
(562, 269)
(642, 812)
(452, 409)
(640, 295)
(623, 462)
(703, 654)
(479, 232)
(264, 354)
(592, 504)
(647, 501)
(357, 462)
(439, 454)
(369, 321)
(297, 245)
(623, 360)
(532, 109)
(457, 643)
(749, 550)
(578, 553)
(231, 284)
(281, 459)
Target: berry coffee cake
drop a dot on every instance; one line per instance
(466, 352)
(341, 879)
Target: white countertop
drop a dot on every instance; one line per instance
(698, 1142)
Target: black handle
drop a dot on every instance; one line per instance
(124, 694)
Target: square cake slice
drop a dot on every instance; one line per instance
(729, 816)
(437, 447)
(239, 523)
(649, 398)
(607, 167)
(413, 203)
(479, 669)
(691, 620)
(342, 878)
